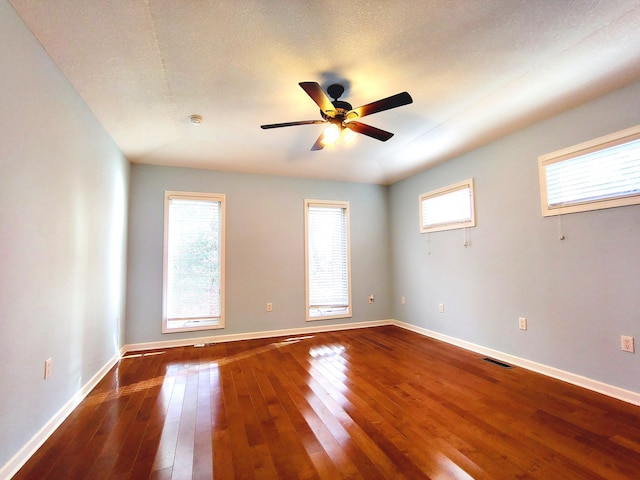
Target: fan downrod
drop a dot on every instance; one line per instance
(342, 108)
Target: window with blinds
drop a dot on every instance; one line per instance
(193, 262)
(327, 259)
(602, 173)
(447, 208)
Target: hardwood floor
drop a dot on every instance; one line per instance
(370, 403)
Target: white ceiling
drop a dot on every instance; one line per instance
(477, 70)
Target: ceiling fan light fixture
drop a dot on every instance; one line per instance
(331, 134)
(348, 136)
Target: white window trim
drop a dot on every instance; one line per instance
(199, 196)
(600, 143)
(442, 191)
(328, 203)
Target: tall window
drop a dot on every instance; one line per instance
(601, 173)
(447, 208)
(328, 264)
(193, 290)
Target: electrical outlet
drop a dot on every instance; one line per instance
(47, 368)
(441, 307)
(269, 307)
(402, 300)
(522, 323)
(626, 344)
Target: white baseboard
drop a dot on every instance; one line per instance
(253, 335)
(578, 380)
(20, 458)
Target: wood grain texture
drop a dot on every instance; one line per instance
(370, 403)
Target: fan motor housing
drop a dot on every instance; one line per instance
(342, 108)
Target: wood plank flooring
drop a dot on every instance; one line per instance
(359, 404)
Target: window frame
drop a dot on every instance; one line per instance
(592, 146)
(346, 208)
(203, 324)
(454, 224)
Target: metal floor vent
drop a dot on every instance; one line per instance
(497, 362)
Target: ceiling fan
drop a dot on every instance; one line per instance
(342, 117)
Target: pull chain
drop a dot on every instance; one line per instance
(560, 234)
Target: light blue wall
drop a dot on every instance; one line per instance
(265, 249)
(63, 200)
(579, 294)
(63, 197)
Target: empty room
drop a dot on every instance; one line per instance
(319, 240)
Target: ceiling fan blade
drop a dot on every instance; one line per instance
(369, 131)
(314, 90)
(318, 145)
(291, 124)
(393, 101)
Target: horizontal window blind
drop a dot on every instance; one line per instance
(452, 207)
(193, 261)
(448, 207)
(613, 172)
(327, 260)
(593, 175)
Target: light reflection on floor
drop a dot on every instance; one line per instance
(324, 351)
(328, 361)
(449, 469)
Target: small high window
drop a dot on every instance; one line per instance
(601, 173)
(447, 208)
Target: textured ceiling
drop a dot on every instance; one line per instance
(477, 70)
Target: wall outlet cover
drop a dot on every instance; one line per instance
(626, 344)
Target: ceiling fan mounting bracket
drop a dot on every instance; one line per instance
(335, 91)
